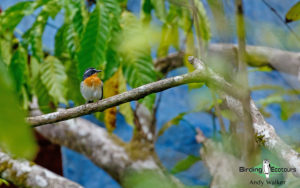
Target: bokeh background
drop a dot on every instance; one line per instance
(263, 28)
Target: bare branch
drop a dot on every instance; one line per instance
(257, 56)
(24, 173)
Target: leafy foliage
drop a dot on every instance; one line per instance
(3, 181)
(185, 164)
(53, 76)
(125, 109)
(174, 121)
(18, 68)
(137, 63)
(201, 22)
(13, 15)
(110, 115)
(293, 14)
(15, 134)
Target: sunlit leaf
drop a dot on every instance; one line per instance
(289, 108)
(137, 62)
(293, 14)
(6, 47)
(175, 121)
(3, 181)
(125, 109)
(146, 11)
(202, 22)
(185, 164)
(274, 98)
(170, 33)
(12, 16)
(160, 10)
(229, 115)
(111, 88)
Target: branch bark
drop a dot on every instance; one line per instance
(103, 149)
(270, 139)
(256, 56)
(24, 173)
(111, 154)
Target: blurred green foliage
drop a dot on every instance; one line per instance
(185, 164)
(106, 36)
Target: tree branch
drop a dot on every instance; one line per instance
(103, 149)
(256, 56)
(24, 173)
(270, 139)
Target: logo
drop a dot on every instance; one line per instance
(270, 172)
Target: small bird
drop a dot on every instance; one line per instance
(91, 86)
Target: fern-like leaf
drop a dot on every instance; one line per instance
(53, 76)
(94, 41)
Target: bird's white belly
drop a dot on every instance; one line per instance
(91, 93)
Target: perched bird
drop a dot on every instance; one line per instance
(91, 86)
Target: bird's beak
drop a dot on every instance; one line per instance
(97, 71)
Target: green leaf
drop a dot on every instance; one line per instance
(3, 181)
(175, 121)
(15, 135)
(293, 14)
(137, 65)
(60, 42)
(185, 164)
(73, 83)
(44, 99)
(54, 77)
(160, 9)
(12, 16)
(94, 41)
(18, 67)
(148, 101)
(113, 63)
(203, 101)
(140, 71)
(271, 99)
(148, 179)
(288, 108)
(34, 35)
(78, 22)
(125, 109)
(6, 47)
(52, 8)
(170, 32)
(202, 25)
(146, 11)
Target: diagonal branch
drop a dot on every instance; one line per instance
(25, 174)
(128, 96)
(262, 129)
